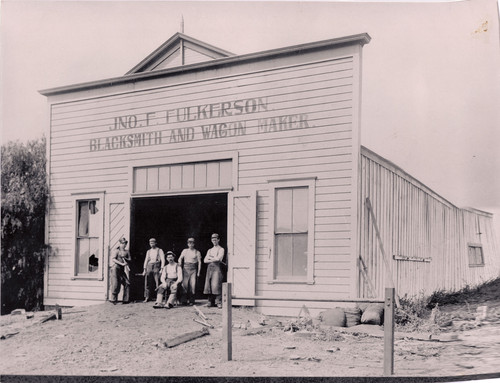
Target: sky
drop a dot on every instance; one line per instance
(430, 75)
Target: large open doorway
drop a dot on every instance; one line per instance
(171, 220)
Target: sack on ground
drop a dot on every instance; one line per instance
(333, 317)
(362, 306)
(374, 314)
(352, 316)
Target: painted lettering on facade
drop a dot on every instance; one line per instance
(204, 131)
(190, 113)
(126, 141)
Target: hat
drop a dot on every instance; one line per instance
(190, 239)
(152, 239)
(170, 253)
(215, 235)
(122, 240)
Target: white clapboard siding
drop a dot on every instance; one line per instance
(257, 79)
(337, 128)
(319, 122)
(276, 93)
(278, 97)
(186, 92)
(321, 94)
(420, 226)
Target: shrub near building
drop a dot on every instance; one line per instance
(24, 194)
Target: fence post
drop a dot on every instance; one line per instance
(389, 331)
(227, 323)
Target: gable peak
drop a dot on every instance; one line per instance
(179, 50)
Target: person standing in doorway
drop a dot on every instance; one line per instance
(153, 266)
(213, 281)
(171, 278)
(190, 261)
(120, 261)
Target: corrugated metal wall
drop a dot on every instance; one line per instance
(425, 237)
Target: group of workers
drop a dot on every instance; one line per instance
(163, 275)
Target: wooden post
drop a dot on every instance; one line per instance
(389, 331)
(227, 323)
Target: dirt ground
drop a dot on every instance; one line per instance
(129, 340)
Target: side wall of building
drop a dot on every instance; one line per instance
(425, 238)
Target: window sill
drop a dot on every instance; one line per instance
(290, 282)
(477, 265)
(82, 278)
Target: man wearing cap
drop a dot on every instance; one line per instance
(190, 261)
(171, 278)
(119, 262)
(213, 281)
(153, 266)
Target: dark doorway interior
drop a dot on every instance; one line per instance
(171, 220)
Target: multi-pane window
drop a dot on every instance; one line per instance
(476, 257)
(291, 232)
(88, 228)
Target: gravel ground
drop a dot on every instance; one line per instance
(128, 340)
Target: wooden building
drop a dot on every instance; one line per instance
(431, 244)
(263, 149)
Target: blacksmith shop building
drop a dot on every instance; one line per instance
(263, 149)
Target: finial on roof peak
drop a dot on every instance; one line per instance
(182, 23)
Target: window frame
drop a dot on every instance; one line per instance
(76, 199)
(310, 183)
(475, 246)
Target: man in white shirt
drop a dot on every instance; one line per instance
(190, 261)
(153, 266)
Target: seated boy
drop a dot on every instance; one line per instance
(171, 278)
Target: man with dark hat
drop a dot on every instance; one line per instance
(213, 281)
(119, 262)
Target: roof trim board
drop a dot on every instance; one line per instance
(361, 39)
(398, 170)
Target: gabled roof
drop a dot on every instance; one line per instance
(135, 75)
(179, 50)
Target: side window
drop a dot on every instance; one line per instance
(292, 230)
(475, 252)
(88, 243)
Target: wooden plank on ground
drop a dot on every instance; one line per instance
(186, 337)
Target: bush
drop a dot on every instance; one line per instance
(24, 196)
(489, 290)
(415, 313)
(412, 311)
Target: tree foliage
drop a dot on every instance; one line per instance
(24, 196)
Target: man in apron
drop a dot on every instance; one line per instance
(213, 281)
(190, 261)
